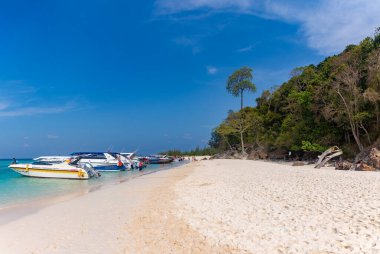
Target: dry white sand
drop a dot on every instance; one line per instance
(264, 207)
(220, 206)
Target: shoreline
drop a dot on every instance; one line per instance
(216, 206)
(98, 217)
(19, 209)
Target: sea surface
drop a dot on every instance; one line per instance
(17, 189)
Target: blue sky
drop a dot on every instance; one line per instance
(150, 75)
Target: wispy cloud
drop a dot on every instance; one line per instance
(212, 70)
(17, 98)
(335, 24)
(327, 25)
(187, 41)
(51, 136)
(245, 49)
(30, 111)
(175, 6)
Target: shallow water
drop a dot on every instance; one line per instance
(17, 189)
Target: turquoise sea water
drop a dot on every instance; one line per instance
(16, 189)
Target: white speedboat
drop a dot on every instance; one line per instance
(99, 160)
(104, 161)
(61, 170)
(52, 159)
(136, 163)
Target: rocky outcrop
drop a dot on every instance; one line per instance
(278, 154)
(364, 167)
(369, 161)
(374, 158)
(257, 155)
(344, 165)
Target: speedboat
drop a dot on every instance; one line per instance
(159, 159)
(52, 159)
(104, 161)
(136, 162)
(101, 161)
(61, 170)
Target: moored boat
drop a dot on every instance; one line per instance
(49, 170)
(159, 159)
(104, 161)
(52, 159)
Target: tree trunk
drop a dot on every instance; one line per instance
(241, 136)
(357, 139)
(241, 99)
(353, 124)
(366, 132)
(228, 143)
(242, 143)
(377, 117)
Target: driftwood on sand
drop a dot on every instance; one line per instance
(330, 153)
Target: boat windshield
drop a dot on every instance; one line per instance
(41, 163)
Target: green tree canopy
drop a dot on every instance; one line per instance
(336, 102)
(240, 81)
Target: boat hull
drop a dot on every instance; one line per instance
(160, 161)
(109, 168)
(46, 172)
(106, 166)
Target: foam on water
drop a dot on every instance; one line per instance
(16, 189)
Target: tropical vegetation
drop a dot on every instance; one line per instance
(194, 152)
(336, 102)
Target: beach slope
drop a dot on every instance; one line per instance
(218, 206)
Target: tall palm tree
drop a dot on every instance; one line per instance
(240, 81)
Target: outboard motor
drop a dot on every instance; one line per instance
(90, 170)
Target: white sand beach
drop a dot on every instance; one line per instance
(217, 206)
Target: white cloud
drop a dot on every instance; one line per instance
(51, 136)
(30, 111)
(211, 70)
(245, 49)
(328, 25)
(191, 42)
(175, 6)
(19, 99)
(335, 24)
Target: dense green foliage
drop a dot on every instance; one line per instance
(195, 152)
(334, 103)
